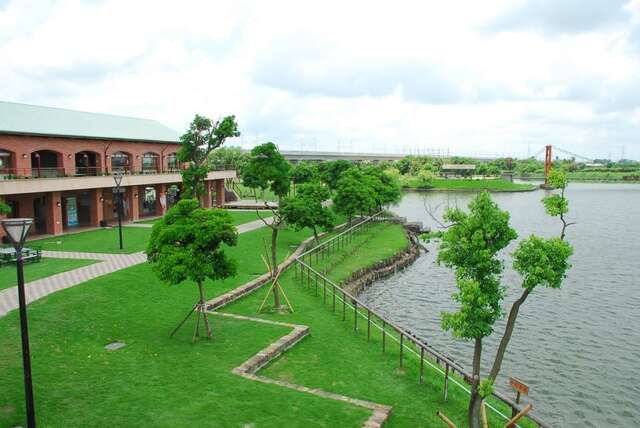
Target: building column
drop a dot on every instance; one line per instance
(161, 199)
(53, 202)
(133, 198)
(220, 196)
(96, 209)
(206, 198)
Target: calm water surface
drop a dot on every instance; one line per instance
(578, 348)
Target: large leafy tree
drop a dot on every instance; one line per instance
(307, 208)
(303, 172)
(268, 169)
(386, 189)
(330, 172)
(354, 195)
(188, 244)
(228, 157)
(202, 138)
(470, 246)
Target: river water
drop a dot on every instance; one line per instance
(578, 348)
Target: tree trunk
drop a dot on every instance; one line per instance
(274, 265)
(476, 400)
(508, 331)
(315, 234)
(203, 311)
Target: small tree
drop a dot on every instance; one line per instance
(306, 208)
(330, 172)
(470, 246)
(4, 208)
(268, 169)
(303, 172)
(426, 177)
(228, 157)
(385, 189)
(202, 138)
(186, 244)
(353, 194)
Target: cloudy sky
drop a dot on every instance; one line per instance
(469, 77)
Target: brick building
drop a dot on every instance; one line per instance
(56, 167)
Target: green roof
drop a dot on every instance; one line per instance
(25, 119)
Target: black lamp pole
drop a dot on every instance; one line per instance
(17, 230)
(117, 177)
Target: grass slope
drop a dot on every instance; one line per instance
(338, 359)
(45, 267)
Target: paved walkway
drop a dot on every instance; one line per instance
(108, 263)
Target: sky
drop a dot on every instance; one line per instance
(478, 78)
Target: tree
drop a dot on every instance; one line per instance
(228, 157)
(426, 177)
(303, 172)
(4, 208)
(470, 246)
(187, 244)
(353, 194)
(557, 205)
(330, 172)
(268, 169)
(385, 189)
(202, 138)
(306, 208)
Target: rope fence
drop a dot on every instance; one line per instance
(342, 301)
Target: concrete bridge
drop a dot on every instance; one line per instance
(295, 156)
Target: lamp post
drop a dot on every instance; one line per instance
(17, 230)
(117, 177)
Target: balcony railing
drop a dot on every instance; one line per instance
(83, 171)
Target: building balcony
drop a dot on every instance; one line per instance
(37, 180)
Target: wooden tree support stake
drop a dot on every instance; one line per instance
(445, 419)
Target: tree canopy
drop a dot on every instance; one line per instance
(306, 208)
(267, 169)
(330, 172)
(188, 244)
(228, 157)
(353, 195)
(202, 137)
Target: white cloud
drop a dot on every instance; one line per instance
(470, 77)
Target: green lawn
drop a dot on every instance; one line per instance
(157, 381)
(97, 241)
(45, 267)
(494, 184)
(247, 193)
(239, 217)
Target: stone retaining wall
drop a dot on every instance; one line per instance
(362, 278)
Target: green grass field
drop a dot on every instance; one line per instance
(494, 184)
(170, 382)
(97, 241)
(45, 267)
(239, 217)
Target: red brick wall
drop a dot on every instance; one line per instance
(23, 146)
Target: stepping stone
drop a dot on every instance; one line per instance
(114, 346)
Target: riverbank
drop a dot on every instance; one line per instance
(465, 184)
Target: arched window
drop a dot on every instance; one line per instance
(7, 163)
(87, 163)
(149, 162)
(172, 162)
(121, 160)
(46, 163)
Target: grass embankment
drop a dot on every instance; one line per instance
(45, 267)
(338, 359)
(97, 241)
(492, 184)
(595, 176)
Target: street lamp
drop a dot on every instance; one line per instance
(17, 230)
(117, 177)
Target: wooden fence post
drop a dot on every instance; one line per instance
(368, 325)
(421, 365)
(355, 316)
(401, 348)
(446, 381)
(384, 336)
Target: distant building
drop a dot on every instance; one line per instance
(454, 169)
(56, 167)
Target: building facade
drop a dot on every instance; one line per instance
(57, 165)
